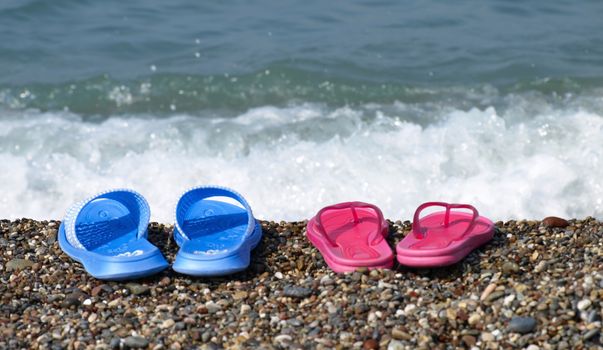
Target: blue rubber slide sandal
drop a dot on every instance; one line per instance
(107, 233)
(215, 237)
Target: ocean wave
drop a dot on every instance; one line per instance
(529, 159)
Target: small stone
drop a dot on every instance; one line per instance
(205, 336)
(282, 339)
(370, 344)
(584, 304)
(18, 264)
(72, 299)
(279, 275)
(297, 292)
(593, 316)
(326, 280)
(474, 319)
(469, 340)
(165, 281)
(245, 309)
(590, 334)
(487, 336)
(522, 325)
(395, 345)
(410, 308)
(137, 289)
(510, 267)
(495, 296)
(400, 334)
(489, 289)
(115, 343)
(240, 295)
(167, 324)
(212, 307)
(99, 289)
(553, 221)
(87, 302)
(136, 342)
(196, 333)
(508, 299)
(533, 347)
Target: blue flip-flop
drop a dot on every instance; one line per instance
(215, 237)
(107, 233)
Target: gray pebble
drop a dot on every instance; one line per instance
(18, 264)
(522, 325)
(136, 342)
(137, 289)
(115, 342)
(297, 292)
(591, 334)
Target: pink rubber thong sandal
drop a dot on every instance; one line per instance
(445, 237)
(351, 235)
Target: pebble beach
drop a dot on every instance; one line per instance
(536, 285)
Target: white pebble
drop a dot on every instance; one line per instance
(508, 299)
(279, 275)
(409, 308)
(584, 304)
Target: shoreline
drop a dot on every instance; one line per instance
(532, 286)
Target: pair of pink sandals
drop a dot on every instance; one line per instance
(352, 235)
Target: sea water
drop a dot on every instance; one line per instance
(300, 105)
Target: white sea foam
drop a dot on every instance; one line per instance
(289, 162)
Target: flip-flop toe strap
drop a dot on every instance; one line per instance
(420, 232)
(375, 237)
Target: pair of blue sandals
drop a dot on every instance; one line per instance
(107, 233)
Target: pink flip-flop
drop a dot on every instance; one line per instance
(445, 237)
(351, 235)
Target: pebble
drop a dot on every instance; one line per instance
(137, 289)
(495, 295)
(136, 342)
(395, 345)
(282, 339)
(584, 304)
(167, 324)
(487, 336)
(591, 334)
(469, 340)
(509, 267)
(522, 325)
(212, 307)
(297, 292)
(489, 289)
(18, 264)
(72, 299)
(553, 221)
(370, 344)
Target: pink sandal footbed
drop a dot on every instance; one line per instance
(443, 238)
(351, 235)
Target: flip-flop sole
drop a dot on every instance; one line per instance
(238, 261)
(113, 267)
(354, 256)
(455, 251)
